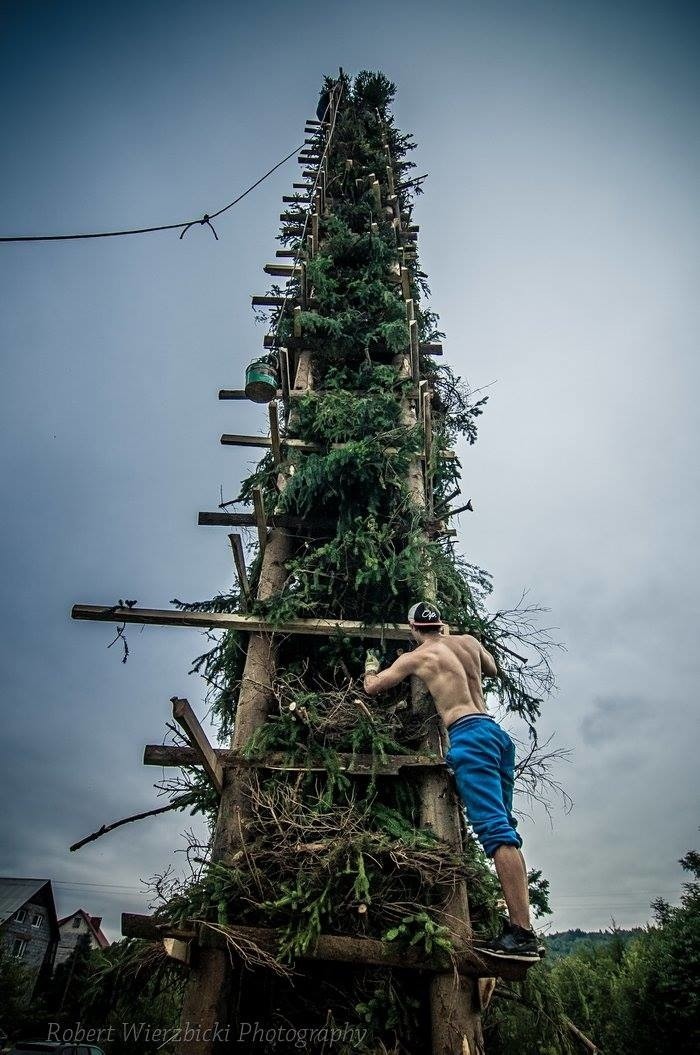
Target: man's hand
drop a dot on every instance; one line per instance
(371, 663)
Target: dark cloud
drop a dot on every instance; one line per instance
(612, 718)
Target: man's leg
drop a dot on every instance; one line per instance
(512, 875)
(509, 861)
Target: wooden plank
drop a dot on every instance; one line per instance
(239, 562)
(233, 621)
(260, 518)
(359, 765)
(232, 439)
(281, 270)
(293, 343)
(138, 925)
(265, 301)
(187, 720)
(283, 521)
(286, 254)
(337, 948)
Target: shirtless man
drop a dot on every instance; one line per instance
(481, 756)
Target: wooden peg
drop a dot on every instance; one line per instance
(415, 360)
(239, 563)
(284, 372)
(260, 518)
(275, 433)
(188, 721)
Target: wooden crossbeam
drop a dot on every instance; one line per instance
(230, 439)
(294, 343)
(281, 270)
(338, 948)
(286, 254)
(187, 720)
(359, 765)
(265, 301)
(240, 394)
(234, 621)
(232, 393)
(278, 520)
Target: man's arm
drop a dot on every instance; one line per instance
(401, 668)
(488, 663)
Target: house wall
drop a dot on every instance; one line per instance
(70, 936)
(38, 939)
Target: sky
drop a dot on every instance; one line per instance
(559, 230)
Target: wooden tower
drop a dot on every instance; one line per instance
(350, 172)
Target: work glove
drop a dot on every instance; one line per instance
(371, 662)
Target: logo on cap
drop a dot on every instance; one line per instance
(424, 614)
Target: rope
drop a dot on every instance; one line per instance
(186, 224)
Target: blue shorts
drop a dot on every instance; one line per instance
(482, 758)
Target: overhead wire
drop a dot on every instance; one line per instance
(184, 226)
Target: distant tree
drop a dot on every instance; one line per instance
(15, 990)
(630, 997)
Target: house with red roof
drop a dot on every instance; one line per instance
(76, 926)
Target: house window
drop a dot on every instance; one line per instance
(37, 919)
(76, 922)
(21, 915)
(18, 947)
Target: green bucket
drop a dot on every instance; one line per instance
(261, 382)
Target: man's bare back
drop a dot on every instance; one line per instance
(451, 668)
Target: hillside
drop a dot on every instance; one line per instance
(562, 943)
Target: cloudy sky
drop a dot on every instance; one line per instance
(559, 229)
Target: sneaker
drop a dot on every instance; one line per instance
(506, 926)
(515, 943)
